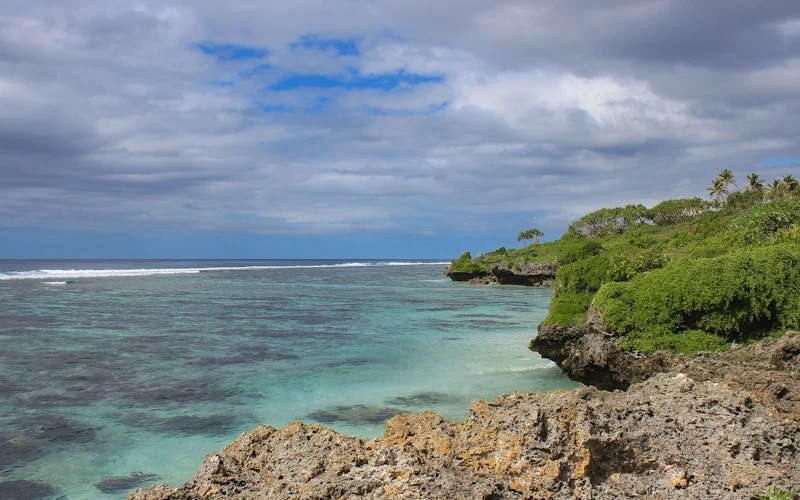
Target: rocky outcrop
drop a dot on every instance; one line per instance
(527, 273)
(769, 371)
(668, 437)
(591, 356)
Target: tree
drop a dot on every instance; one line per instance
(792, 186)
(776, 190)
(530, 234)
(727, 178)
(675, 211)
(717, 191)
(755, 183)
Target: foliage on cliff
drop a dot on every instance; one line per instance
(684, 275)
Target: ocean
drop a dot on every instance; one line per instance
(114, 373)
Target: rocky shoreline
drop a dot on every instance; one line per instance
(714, 425)
(670, 436)
(541, 274)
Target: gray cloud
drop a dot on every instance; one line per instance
(112, 117)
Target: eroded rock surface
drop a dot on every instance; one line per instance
(668, 437)
(769, 371)
(528, 274)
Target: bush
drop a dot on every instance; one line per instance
(686, 342)
(583, 276)
(608, 221)
(768, 223)
(744, 291)
(744, 200)
(675, 211)
(624, 267)
(568, 309)
(465, 264)
(578, 250)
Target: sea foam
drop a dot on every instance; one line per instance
(52, 274)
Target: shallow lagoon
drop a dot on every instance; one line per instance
(105, 377)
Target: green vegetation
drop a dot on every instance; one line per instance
(732, 297)
(465, 264)
(685, 275)
(530, 234)
(778, 494)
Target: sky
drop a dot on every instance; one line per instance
(366, 128)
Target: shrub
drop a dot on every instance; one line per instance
(674, 211)
(465, 264)
(743, 291)
(744, 200)
(584, 276)
(568, 309)
(623, 267)
(768, 223)
(608, 221)
(578, 250)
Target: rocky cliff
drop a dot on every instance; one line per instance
(504, 273)
(717, 426)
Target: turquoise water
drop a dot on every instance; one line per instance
(107, 368)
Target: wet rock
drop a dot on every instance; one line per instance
(665, 435)
(22, 489)
(115, 484)
(354, 415)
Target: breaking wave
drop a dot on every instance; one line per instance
(54, 274)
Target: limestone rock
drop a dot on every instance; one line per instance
(665, 435)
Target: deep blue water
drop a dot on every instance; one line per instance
(108, 368)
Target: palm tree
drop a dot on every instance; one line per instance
(523, 237)
(776, 190)
(792, 186)
(727, 178)
(536, 234)
(755, 183)
(716, 191)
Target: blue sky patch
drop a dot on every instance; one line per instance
(275, 108)
(781, 161)
(342, 46)
(355, 81)
(231, 51)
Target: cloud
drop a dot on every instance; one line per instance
(324, 118)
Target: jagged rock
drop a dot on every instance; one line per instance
(529, 274)
(670, 436)
(483, 280)
(769, 370)
(589, 355)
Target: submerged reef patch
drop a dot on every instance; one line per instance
(355, 414)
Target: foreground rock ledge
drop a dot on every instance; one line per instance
(667, 437)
